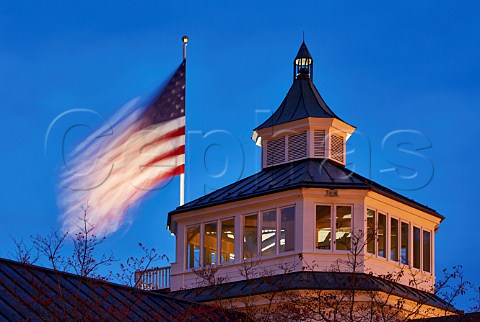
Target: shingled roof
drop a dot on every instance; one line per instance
(316, 173)
(35, 293)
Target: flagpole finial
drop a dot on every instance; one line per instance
(185, 41)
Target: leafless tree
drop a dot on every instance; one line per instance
(131, 271)
(50, 247)
(84, 261)
(23, 253)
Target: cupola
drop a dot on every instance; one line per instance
(303, 126)
(303, 64)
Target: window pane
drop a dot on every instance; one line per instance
(382, 235)
(343, 224)
(193, 246)
(394, 239)
(210, 244)
(416, 247)
(228, 241)
(323, 229)
(287, 229)
(269, 232)
(426, 251)
(371, 231)
(405, 242)
(250, 237)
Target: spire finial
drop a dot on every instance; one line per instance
(303, 36)
(185, 41)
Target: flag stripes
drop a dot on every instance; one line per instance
(120, 163)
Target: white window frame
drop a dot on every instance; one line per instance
(259, 213)
(333, 227)
(219, 240)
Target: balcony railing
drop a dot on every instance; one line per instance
(153, 279)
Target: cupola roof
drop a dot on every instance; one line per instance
(303, 99)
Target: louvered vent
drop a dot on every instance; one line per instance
(337, 148)
(276, 151)
(297, 146)
(319, 143)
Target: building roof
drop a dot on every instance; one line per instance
(303, 52)
(310, 280)
(302, 101)
(30, 292)
(466, 317)
(315, 173)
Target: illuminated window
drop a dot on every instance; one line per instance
(371, 236)
(333, 224)
(394, 239)
(416, 251)
(250, 248)
(193, 246)
(343, 231)
(382, 235)
(274, 227)
(405, 242)
(287, 229)
(227, 244)
(416, 247)
(269, 232)
(323, 223)
(427, 255)
(210, 244)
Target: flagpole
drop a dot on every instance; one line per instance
(182, 175)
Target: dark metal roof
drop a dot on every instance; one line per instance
(466, 317)
(303, 52)
(308, 280)
(303, 100)
(317, 173)
(35, 293)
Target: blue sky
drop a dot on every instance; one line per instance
(384, 67)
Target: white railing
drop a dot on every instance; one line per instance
(153, 279)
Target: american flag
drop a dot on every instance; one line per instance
(116, 166)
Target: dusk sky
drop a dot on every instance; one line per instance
(403, 73)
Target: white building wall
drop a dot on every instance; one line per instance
(311, 258)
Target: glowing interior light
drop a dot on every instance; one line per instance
(303, 61)
(267, 235)
(268, 246)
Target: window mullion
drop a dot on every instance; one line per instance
(202, 231)
(259, 233)
(333, 239)
(219, 242)
(278, 231)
